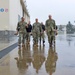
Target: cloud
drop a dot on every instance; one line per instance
(61, 10)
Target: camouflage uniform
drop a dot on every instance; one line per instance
(36, 32)
(50, 26)
(21, 27)
(43, 35)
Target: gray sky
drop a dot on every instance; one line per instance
(62, 11)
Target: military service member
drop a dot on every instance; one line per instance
(43, 36)
(36, 31)
(21, 30)
(50, 30)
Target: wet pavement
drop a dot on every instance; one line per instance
(41, 60)
(6, 42)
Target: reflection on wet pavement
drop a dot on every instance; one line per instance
(38, 58)
(50, 64)
(41, 60)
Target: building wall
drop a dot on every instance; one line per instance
(15, 13)
(4, 14)
(26, 17)
(11, 12)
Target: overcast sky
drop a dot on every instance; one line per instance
(62, 11)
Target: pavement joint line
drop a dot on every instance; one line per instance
(7, 50)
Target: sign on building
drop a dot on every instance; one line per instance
(3, 9)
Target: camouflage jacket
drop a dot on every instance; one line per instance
(37, 27)
(21, 27)
(50, 25)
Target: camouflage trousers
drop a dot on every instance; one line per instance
(51, 38)
(22, 37)
(28, 37)
(35, 37)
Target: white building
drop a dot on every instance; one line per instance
(10, 13)
(63, 31)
